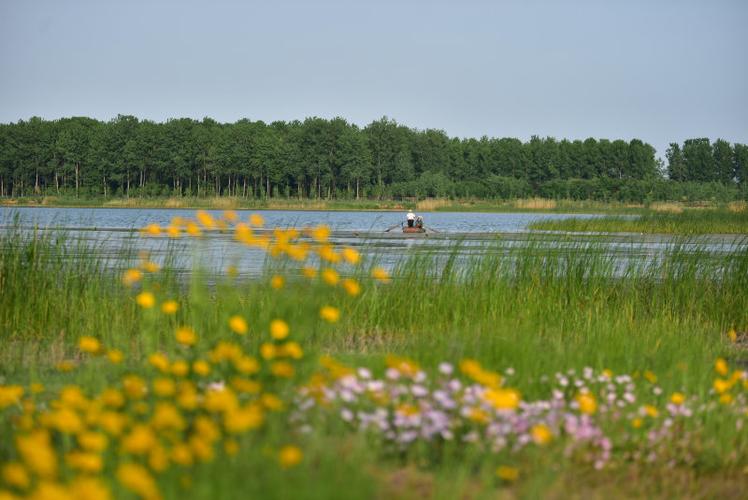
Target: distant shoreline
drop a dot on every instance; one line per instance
(521, 205)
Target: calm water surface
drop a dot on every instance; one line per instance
(111, 230)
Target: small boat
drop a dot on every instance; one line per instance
(414, 229)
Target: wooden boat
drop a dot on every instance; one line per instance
(414, 229)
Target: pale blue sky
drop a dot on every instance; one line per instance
(658, 70)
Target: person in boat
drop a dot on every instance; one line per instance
(411, 217)
(419, 222)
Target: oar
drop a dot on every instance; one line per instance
(392, 227)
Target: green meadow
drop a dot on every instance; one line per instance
(513, 322)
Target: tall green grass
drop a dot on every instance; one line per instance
(686, 222)
(535, 308)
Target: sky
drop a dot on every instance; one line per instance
(661, 71)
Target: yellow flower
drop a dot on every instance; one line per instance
(65, 366)
(507, 473)
(732, 335)
(173, 231)
(15, 474)
(84, 462)
(92, 441)
(146, 300)
(256, 220)
(140, 440)
(204, 218)
(230, 215)
(677, 398)
(271, 402)
(36, 452)
(90, 345)
(240, 420)
(720, 366)
(89, 488)
(721, 385)
(651, 411)
(164, 387)
(137, 479)
(291, 349)
(201, 449)
(170, 307)
(282, 369)
(10, 395)
(193, 229)
(152, 230)
(180, 368)
(113, 423)
(725, 399)
(541, 434)
(51, 490)
(351, 287)
(276, 282)
(478, 415)
(201, 367)
(330, 276)
(587, 403)
(158, 459)
(351, 255)
(279, 329)
(309, 272)
(637, 423)
(238, 325)
(651, 377)
(166, 416)
(132, 276)
(321, 233)
(36, 388)
(150, 267)
(330, 314)
(267, 351)
(115, 356)
(232, 271)
(503, 399)
(380, 274)
(133, 386)
(328, 253)
(289, 456)
(245, 386)
(112, 398)
(182, 455)
(247, 365)
(159, 361)
(186, 336)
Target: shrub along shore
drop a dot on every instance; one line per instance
(528, 371)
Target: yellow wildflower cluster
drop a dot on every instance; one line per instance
(184, 407)
(475, 371)
(727, 385)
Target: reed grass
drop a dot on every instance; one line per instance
(695, 221)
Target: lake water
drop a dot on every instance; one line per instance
(110, 230)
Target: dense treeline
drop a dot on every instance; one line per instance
(320, 158)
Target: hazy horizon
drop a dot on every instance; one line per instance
(661, 73)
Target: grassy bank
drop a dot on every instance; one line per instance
(722, 221)
(437, 204)
(522, 319)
